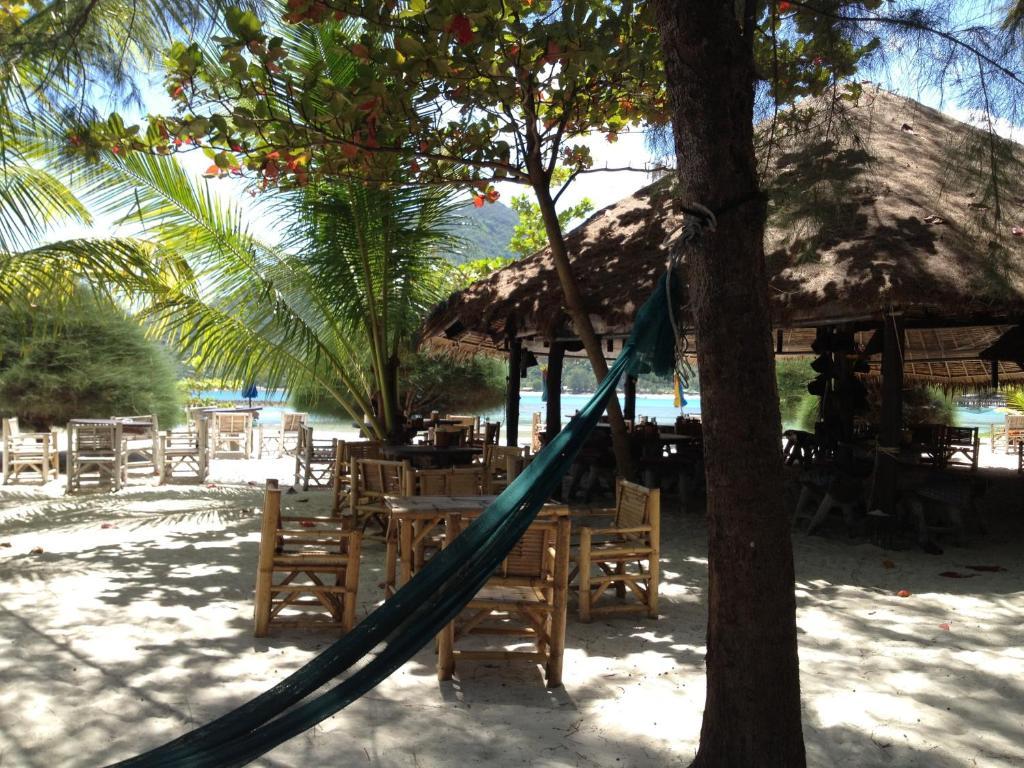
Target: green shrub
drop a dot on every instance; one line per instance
(84, 360)
(791, 376)
(431, 380)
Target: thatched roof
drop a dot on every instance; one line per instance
(888, 206)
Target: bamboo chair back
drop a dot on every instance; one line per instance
(526, 598)
(308, 572)
(457, 481)
(341, 481)
(185, 455)
(372, 480)
(141, 435)
(625, 555)
(31, 451)
(231, 435)
(496, 460)
(469, 425)
(314, 460)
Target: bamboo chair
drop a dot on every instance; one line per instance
(185, 455)
(469, 424)
(536, 432)
(141, 437)
(282, 439)
(488, 435)
(341, 478)
(496, 465)
(372, 480)
(1009, 434)
(95, 456)
(308, 572)
(32, 451)
(230, 435)
(526, 597)
(619, 552)
(960, 447)
(314, 460)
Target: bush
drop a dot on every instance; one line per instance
(791, 376)
(435, 380)
(431, 380)
(84, 360)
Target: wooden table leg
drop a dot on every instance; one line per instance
(405, 534)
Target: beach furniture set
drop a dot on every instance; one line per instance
(308, 570)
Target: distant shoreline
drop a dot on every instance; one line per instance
(660, 396)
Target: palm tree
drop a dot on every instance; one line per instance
(332, 309)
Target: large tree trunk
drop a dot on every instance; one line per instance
(752, 710)
(581, 320)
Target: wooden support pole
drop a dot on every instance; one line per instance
(553, 417)
(629, 396)
(515, 364)
(891, 426)
(995, 374)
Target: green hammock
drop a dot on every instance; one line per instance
(416, 613)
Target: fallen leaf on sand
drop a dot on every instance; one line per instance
(907, 128)
(944, 626)
(36, 551)
(957, 575)
(903, 593)
(5, 543)
(307, 523)
(888, 564)
(986, 568)
(108, 525)
(1018, 231)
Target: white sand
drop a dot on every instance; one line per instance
(113, 640)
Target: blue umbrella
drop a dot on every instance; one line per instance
(250, 392)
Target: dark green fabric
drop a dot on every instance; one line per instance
(414, 614)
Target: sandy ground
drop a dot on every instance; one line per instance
(134, 622)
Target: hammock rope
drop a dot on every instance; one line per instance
(411, 618)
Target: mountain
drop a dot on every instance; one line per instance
(485, 232)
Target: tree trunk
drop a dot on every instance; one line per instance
(580, 319)
(752, 710)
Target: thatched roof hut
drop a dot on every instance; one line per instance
(885, 208)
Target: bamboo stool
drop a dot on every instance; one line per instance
(32, 451)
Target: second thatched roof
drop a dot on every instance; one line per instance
(883, 206)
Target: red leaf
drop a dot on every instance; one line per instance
(108, 525)
(360, 51)
(1018, 231)
(461, 27)
(273, 155)
(944, 626)
(308, 524)
(213, 170)
(478, 201)
(349, 150)
(903, 593)
(784, 6)
(493, 195)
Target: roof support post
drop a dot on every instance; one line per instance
(891, 427)
(629, 396)
(553, 417)
(515, 373)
